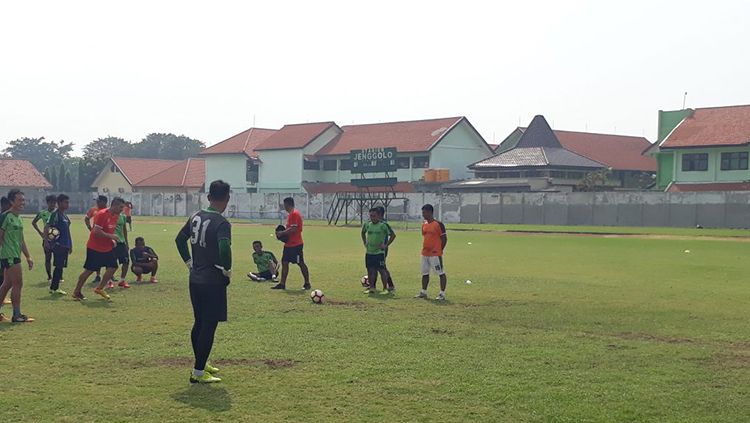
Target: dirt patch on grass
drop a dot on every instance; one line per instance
(272, 363)
(641, 336)
(352, 304)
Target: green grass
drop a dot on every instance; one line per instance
(554, 328)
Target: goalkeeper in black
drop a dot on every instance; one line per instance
(210, 266)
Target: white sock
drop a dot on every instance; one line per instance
(442, 293)
(197, 373)
(424, 291)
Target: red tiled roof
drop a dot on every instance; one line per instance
(136, 170)
(713, 126)
(294, 136)
(244, 142)
(619, 152)
(410, 136)
(189, 173)
(331, 188)
(718, 186)
(16, 173)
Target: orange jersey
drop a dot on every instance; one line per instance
(92, 211)
(294, 219)
(432, 245)
(107, 222)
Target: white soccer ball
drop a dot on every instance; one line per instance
(468, 282)
(317, 296)
(365, 281)
(53, 234)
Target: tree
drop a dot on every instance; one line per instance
(48, 176)
(104, 148)
(88, 169)
(67, 185)
(61, 177)
(42, 154)
(167, 146)
(595, 181)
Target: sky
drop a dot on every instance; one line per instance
(80, 70)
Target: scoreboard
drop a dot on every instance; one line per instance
(373, 160)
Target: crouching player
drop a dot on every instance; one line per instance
(266, 262)
(144, 260)
(376, 237)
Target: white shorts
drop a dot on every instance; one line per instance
(432, 264)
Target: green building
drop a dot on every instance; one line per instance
(703, 149)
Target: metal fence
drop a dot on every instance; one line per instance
(708, 209)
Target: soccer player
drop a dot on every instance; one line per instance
(100, 249)
(62, 247)
(293, 246)
(12, 245)
(4, 207)
(435, 240)
(266, 262)
(210, 267)
(121, 252)
(101, 204)
(44, 217)
(374, 235)
(144, 260)
(381, 210)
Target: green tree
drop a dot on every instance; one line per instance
(104, 148)
(60, 177)
(67, 184)
(42, 154)
(48, 176)
(88, 169)
(167, 146)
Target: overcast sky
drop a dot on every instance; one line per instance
(79, 70)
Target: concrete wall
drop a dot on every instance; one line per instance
(708, 209)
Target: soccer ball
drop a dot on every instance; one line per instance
(53, 234)
(365, 281)
(283, 238)
(317, 296)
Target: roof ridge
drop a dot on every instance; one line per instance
(144, 158)
(404, 121)
(714, 107)
(310, 123)
(184, 174)
(228, 138)
(599, 133)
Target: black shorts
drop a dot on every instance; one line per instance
(95, 260)
(293, 255)
(7, 263)
(209, 302)
(121, 253)
(60, 256)
(267, 275)
(375, 261)
(128, 219)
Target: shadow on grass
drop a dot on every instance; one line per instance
(206, 397)
(51, 297)
(96, 303)
(294, 291)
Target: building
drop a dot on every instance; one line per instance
(127, 174)
(540, 159)
(21, 174)
(235, 160)
(314, 157)
(703, 149)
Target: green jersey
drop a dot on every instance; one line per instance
(376, 235)
(263, 260)
(120, 228)
(12, 226)
(44, 216)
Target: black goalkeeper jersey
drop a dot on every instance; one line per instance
(205, 229)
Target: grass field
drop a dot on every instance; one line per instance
(554, 328)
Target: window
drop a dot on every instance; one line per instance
(557, 174)
(487, 175)
(533, 173)
(311, 165)
(697, 162)
(421, 162)
(402, 162)
(574, 175)
(114, 169)
(251, 172)
(345, 164)
(734, 161)
(509, 175)
(329, 164)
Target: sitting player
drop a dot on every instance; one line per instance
(266, 262)
(144, 260)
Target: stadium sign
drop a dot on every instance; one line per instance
(373, 160)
